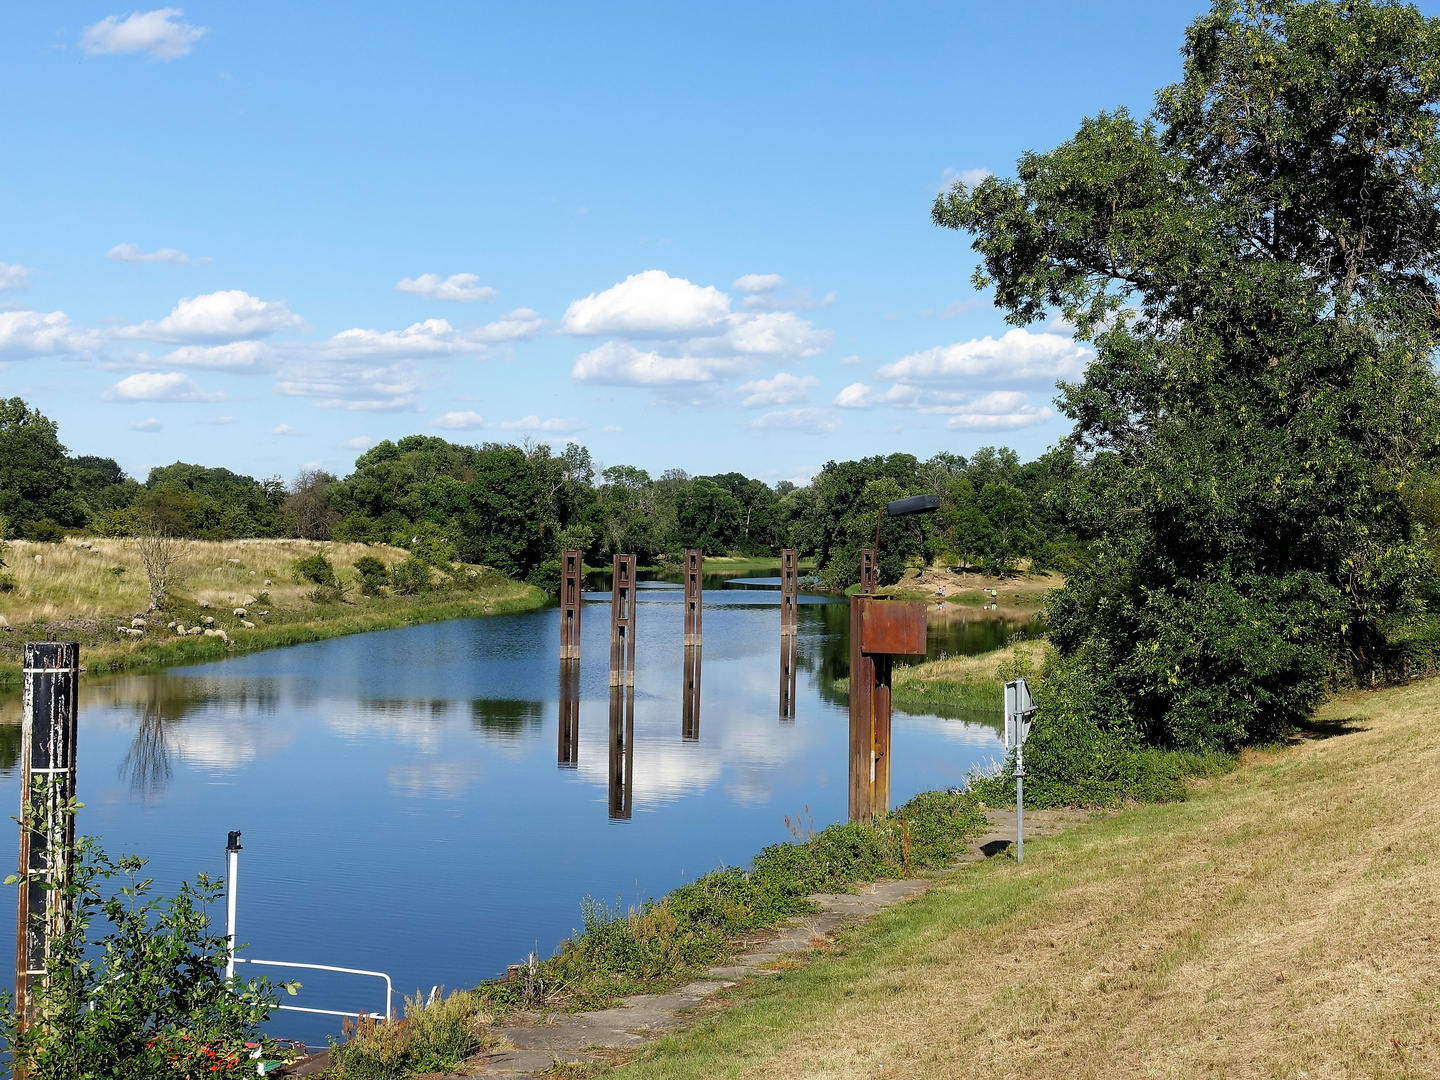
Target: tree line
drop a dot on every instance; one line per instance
(514, 508)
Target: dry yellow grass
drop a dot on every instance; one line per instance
(1284, 922)
(67, 581)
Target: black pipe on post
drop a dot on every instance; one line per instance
(47, 818)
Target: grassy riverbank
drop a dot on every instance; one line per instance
(962, 682)
(90, 593)
(1280, 922)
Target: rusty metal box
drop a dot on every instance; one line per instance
(892, 626)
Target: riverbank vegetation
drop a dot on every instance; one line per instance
(1278, 922)
(248, 595)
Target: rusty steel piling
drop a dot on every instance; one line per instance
(571, 593)
(694, 596)
(567, 754)
(690, 698)
(622, 622)
(789, 591)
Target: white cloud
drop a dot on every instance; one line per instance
(776, 333)
(1019, 354)
(14, 276)
(554, 426)
(157, 33)
(650, 304)
(611, 429)
(618, 363)
(40, 333)
(359, 442)
(432, 338)
(783, 389)
(150, 425)
(465, 288)
(757, 283)
(969, 177)
(1024, 417)
(357, 387)
(850, 361)
(132, 253)
(159, 386)
(857, 396)
(219, 420)
(236, 356)
(805, 421)
(224, 316)
(285, 429)
(458, 421)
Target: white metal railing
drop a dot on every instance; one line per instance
(232, 852)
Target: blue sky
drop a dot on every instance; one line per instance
(266, 235)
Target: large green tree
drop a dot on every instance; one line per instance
(35, 481)
(1256, 265)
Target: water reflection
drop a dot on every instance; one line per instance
(788, 656)
(622, 752)
(690, 696)
(567, 753)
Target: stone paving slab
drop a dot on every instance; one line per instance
(534, 1047)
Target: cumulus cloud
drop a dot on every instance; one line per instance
(237, 356)
(132, 253)
(783, 389)
(804, 421)
(158, 33)
(857, 396)
(40, 333)
(757, 283)
(1018, 354)
(619, 363)
(14, 276)
(159, 386)
(554, 426)
(432, 338)
(150, 425)
(465, 288)
(458, 421)
(285, 429)
(650, 304)
(359, 442)
(225, 316)
(1002, 410)
(969, 177)
(358, 387)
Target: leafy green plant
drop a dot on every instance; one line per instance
(436, 1035)
(411, 577)
(135, 987)
(374, 574)
(316, 569)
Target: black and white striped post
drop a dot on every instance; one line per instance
(47, 808)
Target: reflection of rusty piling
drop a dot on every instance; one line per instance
(693, 596)
(622, 622)
(789, 591)
(571, 589)
(567, 755)
(47, 792)
(869, 573)
(622, 751)
(789, 652)
(690, 700)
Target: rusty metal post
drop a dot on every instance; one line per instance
(690, 703)
(571, 593)
(567, 755)
(862, 719)
(789, 591)
(622, 621)
(869, 573)
(622, 751)
(694, 596)
(788, 653)
(47, 822)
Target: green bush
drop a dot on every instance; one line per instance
(146, 997)
(315, 569)
(374, 574)
(411, 577)
(435, 1037)
(43, 531)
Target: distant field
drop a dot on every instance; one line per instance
(87, 593)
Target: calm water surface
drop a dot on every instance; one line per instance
(399, 792)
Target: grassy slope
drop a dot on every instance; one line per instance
(1281, 922)
(72, 590)
(965, 682)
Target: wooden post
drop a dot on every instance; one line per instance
(690, 706)
(789, 591)
(788, 653)
(622, 622)
(567, 754)
(571, 592)
(694, 596)
(47, 825)
(622, 751)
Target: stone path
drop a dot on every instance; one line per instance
(534, 1043)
